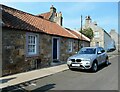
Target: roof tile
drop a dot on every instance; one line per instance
(14, 18)
(78, 34)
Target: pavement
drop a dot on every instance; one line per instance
(29, 76)
(15, 79)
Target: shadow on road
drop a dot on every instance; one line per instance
(18, 88)
(6, 80)
(44, 88)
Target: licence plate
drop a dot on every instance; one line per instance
(75, 64)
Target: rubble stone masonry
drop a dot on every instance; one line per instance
(14, 51)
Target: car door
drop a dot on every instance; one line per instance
(99, 57)
(103, 55)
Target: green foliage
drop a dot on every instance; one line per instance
(88, 32)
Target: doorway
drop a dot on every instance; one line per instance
(55, 48)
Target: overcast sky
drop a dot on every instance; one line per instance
(104, 13)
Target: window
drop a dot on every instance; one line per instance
(96, 34)
(102, 50)
(32, 44)
(70, 46)
(87, 51)
(97, 44)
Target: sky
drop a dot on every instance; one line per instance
(104, 13)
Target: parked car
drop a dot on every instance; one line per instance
(88, 58)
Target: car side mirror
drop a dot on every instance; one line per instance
(76, 52)
(99, 52)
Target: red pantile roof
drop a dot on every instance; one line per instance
(17, 19)
(78, 34)
(46, 15)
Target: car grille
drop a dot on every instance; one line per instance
(77, 60)
(73, 60)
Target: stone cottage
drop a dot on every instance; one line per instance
(32, 42)
(101, 37)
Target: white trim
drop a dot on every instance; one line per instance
(37, 44)
(58, 47)
(70, 43)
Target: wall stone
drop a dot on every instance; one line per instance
(15, 59)
(13, 44)
(14, 55)
(0, 49)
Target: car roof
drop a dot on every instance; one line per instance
(92, 47)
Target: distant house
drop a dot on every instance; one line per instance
(116, 37)
(32, 42)
(101, 37)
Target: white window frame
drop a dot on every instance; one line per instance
(32, 44)
(70, 46)
(97, 35)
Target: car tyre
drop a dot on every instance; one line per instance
(107, 61)
(94, 67)
(70, 68)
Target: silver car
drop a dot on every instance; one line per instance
(88, 58)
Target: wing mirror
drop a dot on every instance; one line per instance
(76, 52)
(99, 52)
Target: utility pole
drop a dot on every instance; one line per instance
(80, 40)
(81, 31)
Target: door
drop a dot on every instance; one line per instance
(55, 48)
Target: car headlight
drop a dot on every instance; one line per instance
(69, 61)
(86, 61)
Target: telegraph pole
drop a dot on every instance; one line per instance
(81, 31)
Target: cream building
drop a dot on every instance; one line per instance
(101, 37)
(116, 38)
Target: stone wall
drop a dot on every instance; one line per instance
(64, 54)
(14, 51)
(0, 48)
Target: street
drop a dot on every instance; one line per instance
(105, 79)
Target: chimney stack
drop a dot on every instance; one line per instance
(87, 21)
(52, 9)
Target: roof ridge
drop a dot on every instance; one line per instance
(20, 11)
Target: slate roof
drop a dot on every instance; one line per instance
(17, 19)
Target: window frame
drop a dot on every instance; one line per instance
(96, 34)
(70, 45)
(36, 52)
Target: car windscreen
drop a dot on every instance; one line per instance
(87, 51)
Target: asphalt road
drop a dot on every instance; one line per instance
(105, 79)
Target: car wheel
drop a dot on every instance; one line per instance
(70, 68)
(94, 67)
(107, 61)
